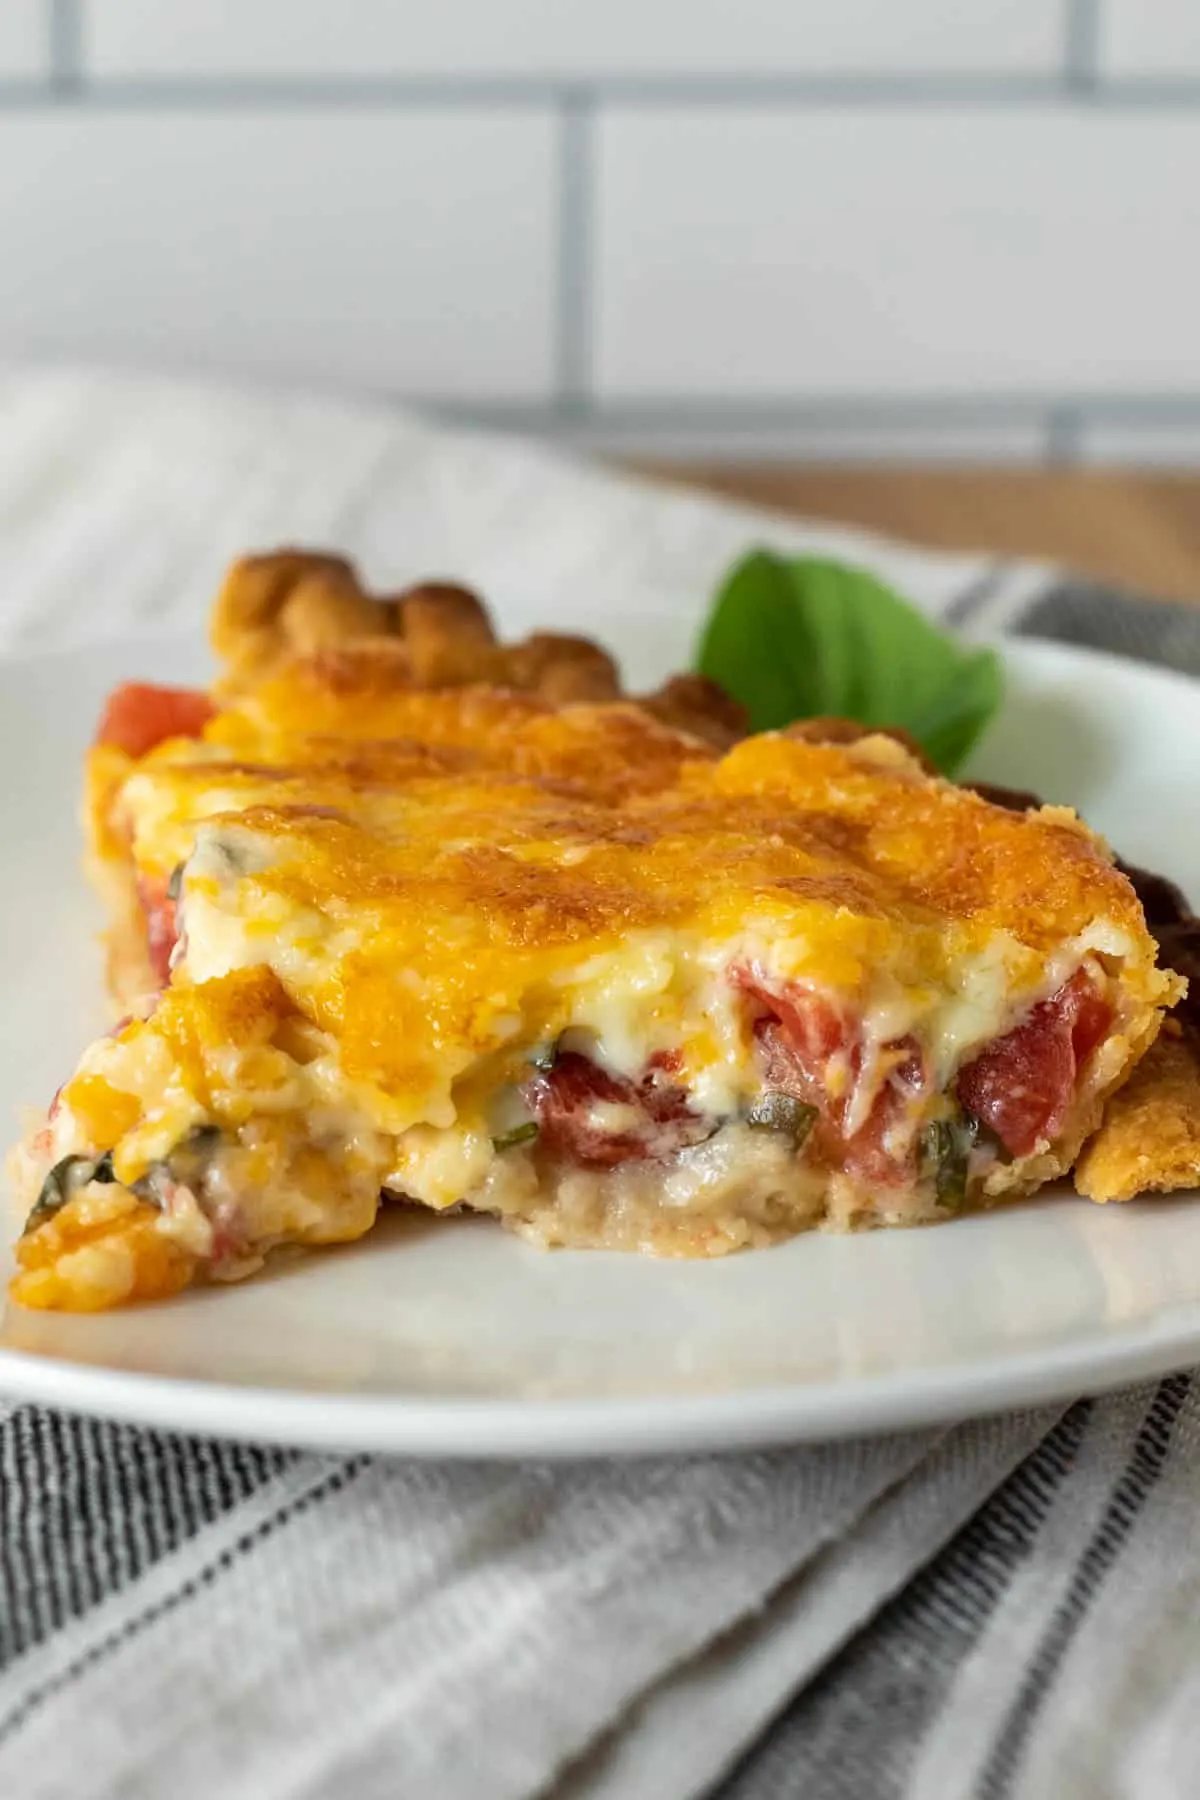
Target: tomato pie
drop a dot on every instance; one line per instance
(447, 933)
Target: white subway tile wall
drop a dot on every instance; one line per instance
(575, 39)
(411, 253)
(895, 253)
(1155, 38)
(24, 41)
(860, 229)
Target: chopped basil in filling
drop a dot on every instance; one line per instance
(783, 1112)
(64, 1182)
(520, 1134)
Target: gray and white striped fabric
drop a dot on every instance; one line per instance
(1006, 1608)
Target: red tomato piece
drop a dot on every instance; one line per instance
(796, 1042)
(804, 1026)
(162, 926)
(139, 716)
(1093, 1016)
(868, 1154)
(787, 1072)
(1022, 1085)
(563, 1101)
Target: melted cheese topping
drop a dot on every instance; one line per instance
(437, 883)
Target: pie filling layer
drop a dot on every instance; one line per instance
(215, 1152)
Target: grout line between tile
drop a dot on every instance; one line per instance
(64, 27)
(525, 90)
(1061, 424)
(70, 81)
(1064, 437)
(1081, 48)
(928, 409)
(576, 273)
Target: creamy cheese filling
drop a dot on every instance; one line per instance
(459, 1155)
(663, 992)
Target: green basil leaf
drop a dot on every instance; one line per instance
(792, 638)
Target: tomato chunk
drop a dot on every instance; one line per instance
(1022, 1085)
(798, 1036)
(139, 716)
(569, 1102)
(876, 1153)
(805, 1023)
(789, 1068)
(1091, 1017)
(162, 926)
(881, 1153)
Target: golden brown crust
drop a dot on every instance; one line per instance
(295, 605)
(1149, 1141)
(558, 669)
(445, 632)
(696, 705)
(287, 603)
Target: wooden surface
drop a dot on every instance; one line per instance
(1140, 530)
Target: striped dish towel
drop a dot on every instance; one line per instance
(1005, 1608)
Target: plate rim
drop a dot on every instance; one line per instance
(581, 1428)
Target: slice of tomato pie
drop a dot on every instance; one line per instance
(576, 968)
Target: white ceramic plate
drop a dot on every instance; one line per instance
(449, 1336)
